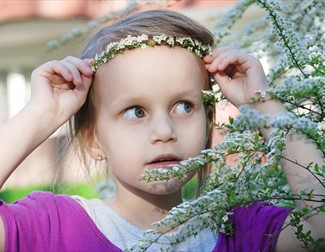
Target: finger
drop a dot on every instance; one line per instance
(81, 91)
(221, 78)
(222, 58)
(83, 65)
(52, 68)
(77, 80)
(90, 62)
(227, 59)
(78, 68)
(216, 53)
(222, 61)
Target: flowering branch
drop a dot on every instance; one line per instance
(132, 6)
(291, 43)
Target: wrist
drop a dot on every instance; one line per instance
(266, 104)
(41, 120)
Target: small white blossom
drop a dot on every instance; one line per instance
(321, 126)
(142, 38)
(143, 41)
(170, 41)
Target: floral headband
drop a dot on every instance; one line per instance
(143, 41)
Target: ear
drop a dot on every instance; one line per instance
(210, 112)
(94, 148)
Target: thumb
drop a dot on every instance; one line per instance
(222, 79)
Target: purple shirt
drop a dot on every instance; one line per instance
(46, 222)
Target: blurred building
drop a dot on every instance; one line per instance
(26, 26)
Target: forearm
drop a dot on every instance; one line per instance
(298, 154)
(20, 136)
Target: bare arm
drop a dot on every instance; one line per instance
(239, 77)
(299, 152)
(20, 136)
(59, 88)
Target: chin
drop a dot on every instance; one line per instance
(165, 187)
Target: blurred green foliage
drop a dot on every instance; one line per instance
(10, 195)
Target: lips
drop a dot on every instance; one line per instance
(164, 161)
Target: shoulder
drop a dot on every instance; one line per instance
(39, 204)
(42, 197)
(259, 210)
(38, 210)
(38, 197)
(43, 219)
(259, 219)
(256, 228)
(47, 208)
(2, 235)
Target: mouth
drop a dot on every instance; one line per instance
(163, 161)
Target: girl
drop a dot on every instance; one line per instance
(140, 110)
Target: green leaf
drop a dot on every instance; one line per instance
(316, 168)
(256, 139)
(322, 208)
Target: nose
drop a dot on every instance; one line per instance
(163, 129)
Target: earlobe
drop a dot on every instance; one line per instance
(94, 149)
(100, 157)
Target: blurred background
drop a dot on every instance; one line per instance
(27, 28)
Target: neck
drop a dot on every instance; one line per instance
(142, 208)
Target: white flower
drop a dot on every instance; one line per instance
(180, 40)
(127, 41)
(110, 46)
(162, 170)
(176, 168)
(321, 126)
(170, 41)
(198, 53)
(141, 41)
(120, 46)
(142, 38)
(225, 218)
(159, 38)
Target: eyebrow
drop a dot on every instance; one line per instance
(132, 99)
(124, 100)
(190, 93)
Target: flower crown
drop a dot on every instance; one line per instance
(143, 41)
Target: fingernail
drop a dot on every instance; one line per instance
(91, 62)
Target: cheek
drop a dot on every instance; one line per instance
(122, 146)
(196, 136)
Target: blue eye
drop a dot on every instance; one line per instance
(184, 108)
(134, 113)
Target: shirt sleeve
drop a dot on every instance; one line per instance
(46, 222)
(256, 228)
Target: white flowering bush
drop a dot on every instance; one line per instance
(291, 38)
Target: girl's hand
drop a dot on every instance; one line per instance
(238, 74)
(60, 87)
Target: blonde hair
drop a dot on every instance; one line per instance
(151, 23)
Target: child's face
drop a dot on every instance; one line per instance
(150, 114)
